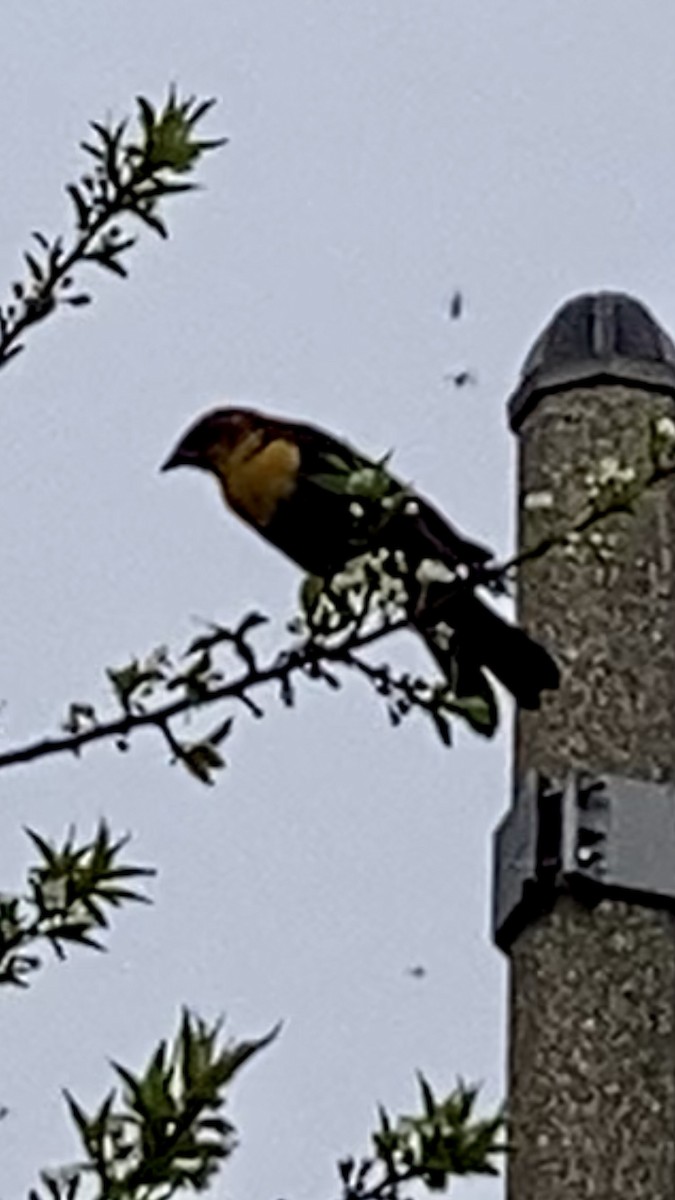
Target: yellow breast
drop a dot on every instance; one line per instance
(256, 477)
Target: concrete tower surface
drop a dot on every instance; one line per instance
(585, 859)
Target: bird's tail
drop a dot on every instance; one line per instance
(480, 637)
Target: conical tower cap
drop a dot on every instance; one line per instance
(595, 338)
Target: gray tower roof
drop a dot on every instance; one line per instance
(592, 339)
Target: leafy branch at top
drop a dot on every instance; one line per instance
(129, 175)
(165, 1131)
(70, 890)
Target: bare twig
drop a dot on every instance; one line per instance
(584, 521)
(305, 659)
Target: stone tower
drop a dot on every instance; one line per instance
(585, 859)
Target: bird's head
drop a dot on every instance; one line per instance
(210, 442)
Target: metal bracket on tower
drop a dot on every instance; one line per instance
(589, 836)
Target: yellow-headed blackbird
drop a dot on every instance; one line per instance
(324, 504)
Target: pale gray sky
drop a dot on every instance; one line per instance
(383, 153)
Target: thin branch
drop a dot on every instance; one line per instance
(282, 667)
(586, 520)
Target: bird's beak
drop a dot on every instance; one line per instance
(179, 458)
(174, 460)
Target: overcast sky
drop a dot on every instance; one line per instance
(383, 153)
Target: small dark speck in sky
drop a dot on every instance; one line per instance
(418, 972)
(456, 306)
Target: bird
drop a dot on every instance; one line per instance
(325, 504)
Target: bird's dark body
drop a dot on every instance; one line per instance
(316, 528)
(322, 504)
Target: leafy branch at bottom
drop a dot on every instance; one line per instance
(70, 891)
(445, 1141)
(163, 1129)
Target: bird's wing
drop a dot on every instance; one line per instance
(343, 503)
